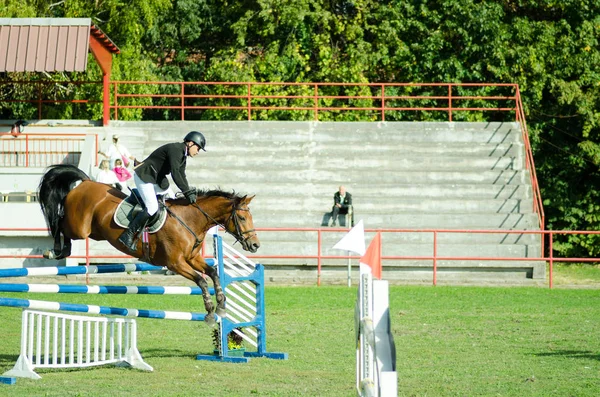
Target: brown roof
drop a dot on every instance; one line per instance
(48, 44)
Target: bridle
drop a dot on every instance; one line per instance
(234, 217)
(236, 222)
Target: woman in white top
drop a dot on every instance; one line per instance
(106, 175)
(117, 151)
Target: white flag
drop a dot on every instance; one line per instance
(354, 240)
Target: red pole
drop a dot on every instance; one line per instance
(316, 101)
(383, 102)
(551, 275)
(517, 101)
(26, 150)
(105, 99)
(116, 102)
(249, 101)
(450, 102)
(434, 258)
(87, 260)
(380, 256)
(319, 258)
(182, 101)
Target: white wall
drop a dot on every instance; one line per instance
(20, 179)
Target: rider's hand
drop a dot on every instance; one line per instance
(191, 195)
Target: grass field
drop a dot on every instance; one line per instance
(451, 341)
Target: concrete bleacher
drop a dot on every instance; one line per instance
(410, 175)
(401, 175)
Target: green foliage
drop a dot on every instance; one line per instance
(234, 341)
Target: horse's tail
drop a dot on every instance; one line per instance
(54, 186)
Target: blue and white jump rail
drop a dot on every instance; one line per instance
(92, 269)
(241, 279)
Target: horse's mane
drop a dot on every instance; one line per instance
(218, 193)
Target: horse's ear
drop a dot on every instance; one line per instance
(247, 199)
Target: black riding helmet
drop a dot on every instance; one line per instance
(197, 138)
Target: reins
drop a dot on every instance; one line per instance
(238, 235)
(198, 241)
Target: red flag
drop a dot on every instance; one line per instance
(372, 257)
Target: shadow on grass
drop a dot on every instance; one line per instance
(169, 353)
(8, 360)
(572, 354)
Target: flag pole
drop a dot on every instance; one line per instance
(353, 241)
(349, 271)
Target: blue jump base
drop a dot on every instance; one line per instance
(8, 380)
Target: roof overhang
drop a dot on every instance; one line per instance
(52, 45)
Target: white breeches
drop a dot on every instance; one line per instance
(148, 191)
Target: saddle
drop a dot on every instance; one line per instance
(132, 205)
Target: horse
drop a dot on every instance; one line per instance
(77, 207)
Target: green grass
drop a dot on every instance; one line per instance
(576, 274)
(451, 341)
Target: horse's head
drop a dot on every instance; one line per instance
(240, 224)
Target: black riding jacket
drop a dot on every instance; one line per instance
(167, 159)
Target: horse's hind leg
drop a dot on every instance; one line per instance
(59, 251)
(66, 250)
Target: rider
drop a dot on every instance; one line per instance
(150, 178)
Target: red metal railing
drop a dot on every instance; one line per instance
(40, 150)
(537, 197)
(378, 99)
(46, 92)
(320, 258)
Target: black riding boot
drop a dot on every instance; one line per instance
(127, 238)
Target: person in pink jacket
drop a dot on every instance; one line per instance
(123, 173)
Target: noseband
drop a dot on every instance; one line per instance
(239, 236)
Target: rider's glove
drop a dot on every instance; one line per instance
(191, 195)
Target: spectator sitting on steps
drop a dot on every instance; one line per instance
(342, 204)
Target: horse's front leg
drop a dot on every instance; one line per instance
(185, 269)
(208, 303)
(219, 294)
(198, 264)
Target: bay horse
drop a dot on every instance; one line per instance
(77, 207)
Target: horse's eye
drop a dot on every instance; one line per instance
(242, 219)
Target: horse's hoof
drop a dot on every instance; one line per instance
(48, 254)
(221, 312)
(210, 320)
